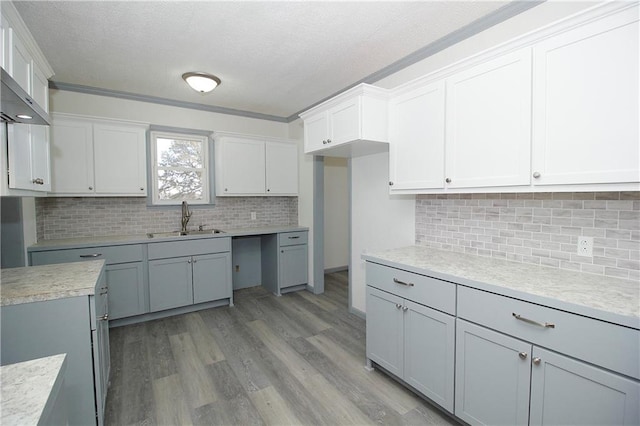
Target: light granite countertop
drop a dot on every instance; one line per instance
(48, 282)
(143, 238)
(609, 299)
(29, 389)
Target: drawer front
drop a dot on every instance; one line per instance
(189, 247)
(292, 238)
(111, 254)
(437, 294)
(608, 345)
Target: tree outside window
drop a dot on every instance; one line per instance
(180, 171)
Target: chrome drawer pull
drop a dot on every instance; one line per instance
(90, 255)
(527, 320)
(397, 281)
(293, 238)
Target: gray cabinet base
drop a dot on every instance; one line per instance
(169, 312)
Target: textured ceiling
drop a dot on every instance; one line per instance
(274, 58)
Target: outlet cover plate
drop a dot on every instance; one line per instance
(585, 246)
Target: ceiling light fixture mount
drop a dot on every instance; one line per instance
(201, 81)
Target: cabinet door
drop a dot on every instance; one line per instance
(243, 166)
(71, 157)
(20, 63)
(586, 104)
(120, 160)
(416, 151)
(126, 290)
(40, 158)
(292, 266)
(101, 366)
(488, 131)
(429, 342)
(344, 122)
(170, 283)
(19, 152)
(40, 88)
(492, 377)
(568, 392)
(211, 277)
(316, 132)
(385, 330)
(5, 46)
(281, 168)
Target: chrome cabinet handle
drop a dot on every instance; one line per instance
(397, 281)
(390, 183)
(293, 238)
(38, 181)
(398, 306)
(189, 261)
(105, 317)
(536, 360)
(529, 321)
(85, 256)
(405, 308)
(536, 175)
(522, 355)
(141, 189)
(328, 140)
(448, 180)
(324, 142)
(91, 188)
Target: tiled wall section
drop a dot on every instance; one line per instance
(540, 228)
(88, 217)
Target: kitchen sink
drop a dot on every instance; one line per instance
(183, 234)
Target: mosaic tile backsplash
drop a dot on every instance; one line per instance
(537, 228)
(92, 217)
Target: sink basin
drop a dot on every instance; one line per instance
(183, 234)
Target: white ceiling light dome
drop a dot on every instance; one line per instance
(201, 81)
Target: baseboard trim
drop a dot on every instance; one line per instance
(357, 312)
(336, 269)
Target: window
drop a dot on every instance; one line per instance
(180, 168)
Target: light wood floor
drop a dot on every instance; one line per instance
(295, 359)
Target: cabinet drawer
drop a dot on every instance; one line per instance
(608, 345)
(437, 294)
(292, 238)
(189, 247)
(111, 254)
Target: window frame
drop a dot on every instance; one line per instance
(207, 170)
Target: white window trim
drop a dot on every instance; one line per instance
(206, 178)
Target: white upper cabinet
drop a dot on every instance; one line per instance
(416, 148)
(21, 63)
(28, 158)
(4, 43)
(96, 158)
(351, 124)
(255, 166)
(240, 166)
(488, 133)
(585, 101)
(120, 159)
(40, 88)
(281, 168)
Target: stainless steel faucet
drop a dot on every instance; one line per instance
(186, 215)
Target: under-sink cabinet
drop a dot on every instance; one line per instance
(183, 273)
(124, 273)
(411, 330)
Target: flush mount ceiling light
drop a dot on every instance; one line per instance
(201, 81)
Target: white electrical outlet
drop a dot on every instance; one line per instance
(585, 246)
(253, 215)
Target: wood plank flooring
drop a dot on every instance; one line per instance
(296, 359)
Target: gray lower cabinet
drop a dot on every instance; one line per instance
(204, 275)
(76, 326)
(285, 261)
(124, 273)
(503, 380)
(492, 377)
(413, 342)
(126, 289)
(293, 266)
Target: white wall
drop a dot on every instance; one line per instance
(336, 213)
(379, 221)
(164, 115)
